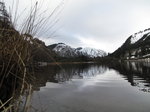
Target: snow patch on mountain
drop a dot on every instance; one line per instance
(67, 51)
(91, 52)
(61, 46)
(64, 50)
(137, 36)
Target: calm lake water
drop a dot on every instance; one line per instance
(123, 87)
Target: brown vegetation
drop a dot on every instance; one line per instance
(18, 52)
(15, 56)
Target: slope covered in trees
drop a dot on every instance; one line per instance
(135, 47)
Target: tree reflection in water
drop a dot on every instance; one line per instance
(137, 73)
(65, 73)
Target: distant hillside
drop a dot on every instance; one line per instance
(135, 47)
(41, 53)
(64, 50)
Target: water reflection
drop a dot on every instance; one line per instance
(79, 72)
(63, 73)
(137, 73)
(93, 88)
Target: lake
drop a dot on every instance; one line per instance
(121, 87)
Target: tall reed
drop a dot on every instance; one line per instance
(15, 57)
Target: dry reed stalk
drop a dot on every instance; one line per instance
(15, 54)
(3, 104)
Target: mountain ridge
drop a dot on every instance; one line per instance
(136, 46)
(64, 50)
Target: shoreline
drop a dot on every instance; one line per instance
(62, 63)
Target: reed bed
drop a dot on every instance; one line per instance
(16, 57)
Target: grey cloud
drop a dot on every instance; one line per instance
(105, 21)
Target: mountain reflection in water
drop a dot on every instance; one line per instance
(66, 72)
(117, 87)
(137, 73)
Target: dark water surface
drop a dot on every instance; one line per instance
(123, 87)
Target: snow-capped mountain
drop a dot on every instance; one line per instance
(137, 36)
(135, 47)
(64, 50)
(91, 52)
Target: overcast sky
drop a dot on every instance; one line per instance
(101, 24)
